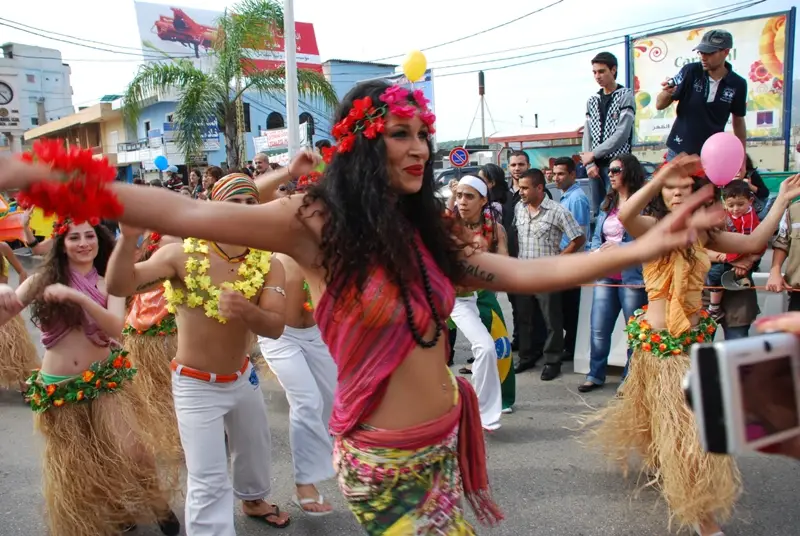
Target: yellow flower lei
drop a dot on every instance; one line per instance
(201, 292)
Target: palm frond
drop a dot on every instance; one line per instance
(154, 77)
(199, 103)
(310, 84)
(251, 25)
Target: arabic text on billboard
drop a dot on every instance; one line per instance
(758, 55)
(187, 32)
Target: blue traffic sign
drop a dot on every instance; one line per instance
(459, 157)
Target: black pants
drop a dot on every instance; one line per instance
(571, 303)
(794, 301)
(540, 328)
(512, 299)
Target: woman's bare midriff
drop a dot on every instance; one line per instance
(656, 315)
(72, 355)
(420, 390)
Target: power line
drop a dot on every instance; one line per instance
(68, 36)
(624, 28)
(477, 33)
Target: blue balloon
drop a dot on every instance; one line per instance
(161, 163)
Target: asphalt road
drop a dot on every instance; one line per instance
(546, 482)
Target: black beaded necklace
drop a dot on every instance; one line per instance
(428, 297)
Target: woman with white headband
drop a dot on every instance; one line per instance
(475, 215)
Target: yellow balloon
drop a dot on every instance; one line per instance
(415, 65)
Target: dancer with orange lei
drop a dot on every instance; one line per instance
(651, 418)
(150, 337)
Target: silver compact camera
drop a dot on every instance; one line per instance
(745, 393)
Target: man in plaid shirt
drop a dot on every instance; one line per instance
(540, 225)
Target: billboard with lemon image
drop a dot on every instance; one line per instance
(759, 55)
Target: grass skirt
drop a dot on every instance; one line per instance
(18, 355)
(651, 421)
(151, 356)
(98, 466)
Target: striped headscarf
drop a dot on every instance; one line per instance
(232, 185)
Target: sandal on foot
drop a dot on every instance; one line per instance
(697, 530)
(276, 514)
(302, 503)
(464, 370)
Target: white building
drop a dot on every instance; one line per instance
(34, 89)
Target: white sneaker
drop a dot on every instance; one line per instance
(507, 411)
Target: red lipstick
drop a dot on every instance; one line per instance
(416, 170)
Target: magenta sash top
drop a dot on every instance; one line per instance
(369, 337)
(52, 334)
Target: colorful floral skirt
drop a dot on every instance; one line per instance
(650, 422)
(397, 492)
(98, 462)
(18, 355)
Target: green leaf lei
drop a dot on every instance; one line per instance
(167, 326)
(105, 376)
(660, 342)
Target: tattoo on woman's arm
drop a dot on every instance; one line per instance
(473, 270)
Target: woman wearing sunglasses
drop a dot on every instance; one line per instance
(620, 292)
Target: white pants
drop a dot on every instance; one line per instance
(206, 411)
(307, 372)
(485, 376)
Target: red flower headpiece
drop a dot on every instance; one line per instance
(365, 118)
(307, 181)
(83, 195)
(155, 239)
(60, 227)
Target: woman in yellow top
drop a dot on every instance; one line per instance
(650, 418)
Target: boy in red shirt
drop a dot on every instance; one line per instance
(742, 218)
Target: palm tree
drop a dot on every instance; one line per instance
(204, 94)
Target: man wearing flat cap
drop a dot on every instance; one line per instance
(708, 92)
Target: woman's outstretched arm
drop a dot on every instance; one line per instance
(548, 274)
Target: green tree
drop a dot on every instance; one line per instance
(250, 26)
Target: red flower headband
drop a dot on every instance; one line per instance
(155, 238)
(60, 227)
(367, 119)
(307, 181)
(83, 195)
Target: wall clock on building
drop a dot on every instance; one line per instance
(6, 93)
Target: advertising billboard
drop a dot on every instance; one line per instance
(760, 54)
(188, 33)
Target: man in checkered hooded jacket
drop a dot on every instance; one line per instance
(609, 126)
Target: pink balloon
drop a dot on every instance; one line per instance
(722, 156)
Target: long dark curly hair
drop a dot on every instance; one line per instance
(55, 269)
(366, 223)
(632, 178)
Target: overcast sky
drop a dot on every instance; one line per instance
(556, 89)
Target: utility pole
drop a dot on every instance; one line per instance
(482, 92)
(290, 49)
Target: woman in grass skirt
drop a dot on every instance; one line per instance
(99, 471)
(151, 339)
(650, 418)
(18, 356)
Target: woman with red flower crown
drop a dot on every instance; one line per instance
(650, 417)
(381, 261)
(150, 336)
(99, 470)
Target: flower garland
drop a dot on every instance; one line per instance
(369, 120)
(660, 342)
(155, 239)
(307, 181)
(309, 304)
(101, 377)
(199, 289)
(167, 326)
(84, 195)
(61, 227)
